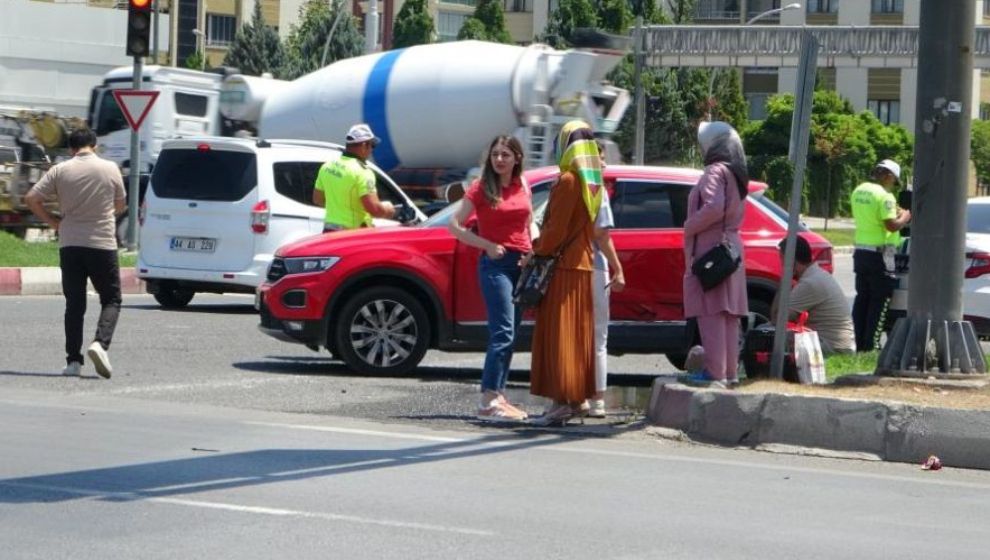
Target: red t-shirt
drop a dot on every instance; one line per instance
(508, 223)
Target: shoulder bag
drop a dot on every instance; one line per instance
(719, 262)
(535, 277)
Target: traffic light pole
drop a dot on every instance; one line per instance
(134, 186)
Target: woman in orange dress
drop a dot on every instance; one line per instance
(563, 367)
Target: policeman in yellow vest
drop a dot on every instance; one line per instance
(877, 218)
(347, 185)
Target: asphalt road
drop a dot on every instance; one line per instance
(215, 441)
(96, 476)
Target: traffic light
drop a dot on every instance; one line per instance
(138, 27)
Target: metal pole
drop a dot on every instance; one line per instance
(154, 29)
(639, 141)
(933, 339)
(800, 130)
(326, 46)
(134, 188)
(371, 28)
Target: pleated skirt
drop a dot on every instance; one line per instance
(563, 367)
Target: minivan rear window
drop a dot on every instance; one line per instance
(204, 175)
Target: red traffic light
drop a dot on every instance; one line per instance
(140, 4)
(138, 27)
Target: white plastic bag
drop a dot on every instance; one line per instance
(808, 353)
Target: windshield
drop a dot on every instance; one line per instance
(109, 117)
(978, 218)
(442, 218)
(759, 197)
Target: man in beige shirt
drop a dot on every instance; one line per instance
(90, 193)
(818, 293)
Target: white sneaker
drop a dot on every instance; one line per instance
(74, 369)
(100, 359)
(597, 409)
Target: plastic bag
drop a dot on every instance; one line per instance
(807, 352)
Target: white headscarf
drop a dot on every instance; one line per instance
(721, 143)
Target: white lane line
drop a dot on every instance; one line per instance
(278, 512)
(172, 387)
(656, 457)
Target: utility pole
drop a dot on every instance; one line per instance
(933, 340)
(154, 30)
(371, 28)
(638, 140)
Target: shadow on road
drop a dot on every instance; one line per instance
(295, 365)
(197, 474)
(47, 374)
(217, 309)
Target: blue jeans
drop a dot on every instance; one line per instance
(497, 279)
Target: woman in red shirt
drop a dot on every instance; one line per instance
(503, 205)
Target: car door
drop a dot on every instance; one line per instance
(648, 235)
(294, 182)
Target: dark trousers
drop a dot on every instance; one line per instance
(99, 266)
(874, 287)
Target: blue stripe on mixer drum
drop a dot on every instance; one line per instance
(375, 109)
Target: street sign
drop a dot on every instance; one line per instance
(135, 105)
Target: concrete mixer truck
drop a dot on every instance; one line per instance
(434, 106)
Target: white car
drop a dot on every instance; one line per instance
(976, 279)
(217, 208)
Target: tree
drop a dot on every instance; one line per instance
(413, 25)
(472, 29)
(979, 145)
(863, 139)
(256, 48)
(569, 15)
(491, 17)
(615, 16)
(305, 43)
(195, 61)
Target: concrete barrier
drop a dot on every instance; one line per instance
(864, 429)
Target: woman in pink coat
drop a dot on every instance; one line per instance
(715, 211)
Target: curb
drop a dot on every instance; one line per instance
(47, 280)
(872, 430)
(843, 250)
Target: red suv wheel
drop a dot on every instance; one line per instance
(382, 331)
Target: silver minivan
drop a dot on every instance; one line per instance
(217, 208)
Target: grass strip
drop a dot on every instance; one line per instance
(16, 252)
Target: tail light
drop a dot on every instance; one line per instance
(979, 264)
(259, 217)
(142, 212)
(824, 258)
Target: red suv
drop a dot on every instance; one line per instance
(379, 298)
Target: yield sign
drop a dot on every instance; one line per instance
(135, 104)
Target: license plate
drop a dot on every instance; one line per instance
(197, 244)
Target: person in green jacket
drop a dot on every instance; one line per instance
(877, 216)
(346, 186)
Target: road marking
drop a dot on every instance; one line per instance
(480, 441)
(256, 510)
(173, 387)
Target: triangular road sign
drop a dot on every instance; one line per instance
(135, 104)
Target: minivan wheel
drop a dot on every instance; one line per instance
(382, 331)
(171, 297)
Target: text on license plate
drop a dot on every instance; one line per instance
(201, 244)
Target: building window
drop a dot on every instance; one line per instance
(823, 6)
(518, 6)
(887, 110)
(890, 6)
(220, 30)
(471, 3)
(449, 24)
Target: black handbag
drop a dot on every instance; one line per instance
(534, 281)
(536, 274)
(719, 262)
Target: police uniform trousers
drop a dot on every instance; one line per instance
(874, 287)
